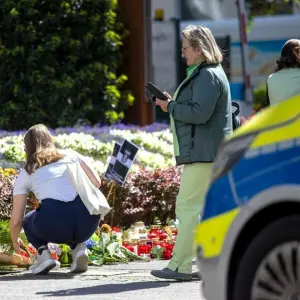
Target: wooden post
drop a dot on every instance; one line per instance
(112, 185)
(137, 60)
(113, 208)
(112, 192)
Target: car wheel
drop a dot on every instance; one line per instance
(270, 267)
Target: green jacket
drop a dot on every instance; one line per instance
(202, 114)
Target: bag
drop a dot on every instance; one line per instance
(93, 199)
(236, 122)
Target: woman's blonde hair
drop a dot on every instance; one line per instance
(201, 37)
(40, 149)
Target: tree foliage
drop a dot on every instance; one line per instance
(270, 7)
(58, 63)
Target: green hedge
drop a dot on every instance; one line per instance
(260, 97)
(58, 63)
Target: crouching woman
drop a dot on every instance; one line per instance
(62, 216)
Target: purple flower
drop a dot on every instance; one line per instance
(95, 130)
(89, 244)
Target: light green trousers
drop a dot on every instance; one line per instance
(193, 186)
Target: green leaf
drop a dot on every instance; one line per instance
(98, 262)
(14, 12)
(104, 240)
(112, 248)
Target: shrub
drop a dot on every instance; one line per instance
(146, 195)
(58, 63)
(260, 98)
(6, 190)
(7, 178)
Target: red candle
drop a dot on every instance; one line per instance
(155, 230)
(141, 249)
(170, 247)
(164, 245)
(163, 236)
(152, 236)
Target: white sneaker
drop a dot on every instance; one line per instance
(57, 267)
(80, 259)
(43, 264)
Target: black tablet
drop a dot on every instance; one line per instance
(155, 91)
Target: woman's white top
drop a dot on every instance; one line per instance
(50, 181)
(283, 85)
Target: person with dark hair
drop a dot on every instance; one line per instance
(285, 82)
(62, 216)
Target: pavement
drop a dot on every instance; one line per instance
(131, 281)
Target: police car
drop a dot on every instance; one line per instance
(248, 241)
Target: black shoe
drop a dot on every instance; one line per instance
(173, 275)
(196, 275)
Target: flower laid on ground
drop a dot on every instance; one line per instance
(7, 253)
(103, 247)
(106, 228)
(54, 249)
(89, 244)
(116, 229)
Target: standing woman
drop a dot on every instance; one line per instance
(62, 216)
(201, 118)
(285, 82)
